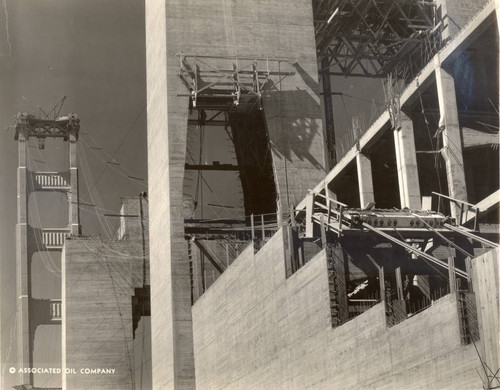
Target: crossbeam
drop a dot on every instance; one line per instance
(28, 125)
(212, 167)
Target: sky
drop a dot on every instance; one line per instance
(92, 52)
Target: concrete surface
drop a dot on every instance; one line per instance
(485, 277)
(99, 280)
(270, 29)
(255, 329)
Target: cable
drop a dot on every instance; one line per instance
(109, 160)
(423, 258)
(94, 195)
(128, 176)
(121, 142)
(377, 103)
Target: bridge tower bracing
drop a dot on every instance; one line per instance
(33, 312)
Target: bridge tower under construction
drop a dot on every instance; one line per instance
(33, 312)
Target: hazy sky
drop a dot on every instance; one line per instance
(93, 52)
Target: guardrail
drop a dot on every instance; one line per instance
(334, 213)
(51, 180)
(463, 214)
(54, 238)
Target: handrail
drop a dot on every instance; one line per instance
(453, 199)
(290, 60)
(460, 203)
(327, 198)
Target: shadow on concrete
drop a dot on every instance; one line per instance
(293, 121)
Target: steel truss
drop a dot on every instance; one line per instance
(373, 38)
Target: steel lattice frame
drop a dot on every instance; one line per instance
(373, 38)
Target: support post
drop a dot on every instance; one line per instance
(328, 104)
(309, 214)
(365, 180)
(263, 230)
(323, 231)
(398, 306)
(451, 274)
(301, 255)
(203, 273)
(329, 193)
(252, 226)
(452, 141)
(196, 271)
(73, 198)
(399, 284)
(23, 271)
(406, 159)
(381, 280)
(468, 268)
(291, 258)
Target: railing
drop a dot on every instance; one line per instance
(415, 306)
(51, 180)
(334, 213)
(360, 305)
(262, 228)
(220, 242)
(464, 208)
(54, 238)
(230, 77)
(55, 310)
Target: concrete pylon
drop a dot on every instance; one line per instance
(452, 140)
(365, 179)
(406, 160)
(221, 35)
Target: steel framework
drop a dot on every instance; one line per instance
(372, 38)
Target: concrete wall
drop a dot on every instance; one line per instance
(98, 283)
(485, 283)
(130, 224)
(251, 28)
(255, 329)
(142, 354)
(456, 14)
